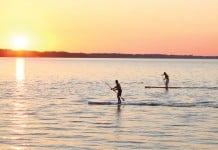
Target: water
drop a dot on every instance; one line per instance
(44, 104)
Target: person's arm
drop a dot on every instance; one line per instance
(114, 88)
(164, 77)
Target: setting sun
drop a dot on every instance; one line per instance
(19, 43)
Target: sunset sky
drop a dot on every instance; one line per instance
(108, 26)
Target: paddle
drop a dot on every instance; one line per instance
(114, 91)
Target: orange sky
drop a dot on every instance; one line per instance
(121, 26)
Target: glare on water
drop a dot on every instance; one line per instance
(20, 68)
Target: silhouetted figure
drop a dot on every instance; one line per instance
(166, 78)
(119, 91)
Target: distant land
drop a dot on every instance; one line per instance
(27, 53)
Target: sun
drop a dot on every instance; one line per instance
(19, 43)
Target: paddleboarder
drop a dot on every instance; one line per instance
(119, 91)
(166, 79)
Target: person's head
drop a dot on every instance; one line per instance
(116, 81)
(164, 73)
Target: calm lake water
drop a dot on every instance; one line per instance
(44, 104)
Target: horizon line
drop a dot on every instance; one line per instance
(56, 53)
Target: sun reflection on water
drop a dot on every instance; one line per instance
(20, 68)
(19, 117)
(18, 126)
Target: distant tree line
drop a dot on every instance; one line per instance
(26, 53)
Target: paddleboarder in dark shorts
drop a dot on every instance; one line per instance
(119, 91)
(166, 78)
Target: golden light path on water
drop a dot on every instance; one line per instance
(19, 121)
(20, 68)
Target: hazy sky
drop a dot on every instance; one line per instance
(121, 26)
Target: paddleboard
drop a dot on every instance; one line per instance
(160, 87)
(157, 104)
(102, 103)
(123, 103)
(179, 87)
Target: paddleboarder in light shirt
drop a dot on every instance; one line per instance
(166, 78)
(119, 91)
